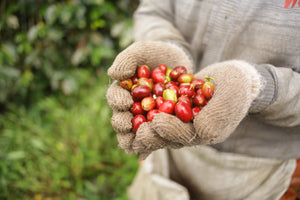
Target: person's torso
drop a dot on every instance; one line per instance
(256, 31)
(253, 30)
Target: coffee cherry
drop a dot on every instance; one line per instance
(174, 75)
(185, 99)
(158, 101)
(145, 81)
(199, 91)
(137, 109)
(169, 83)
(185, 78)
(195, 111)
(175, 89)
(137, 121)
(199, 100)
(158, 89)
(151, 114)
(143, 71)
(208, 88)
(198, 83)
(187, 90)
(134, 79)
(163, 68)
(169, 94)
(148, 103)
(168, 71)
(180, 69)
(155, 70)
(126, 84)
(139, 92)
(183, 111)
(159, 77)
(167, 107)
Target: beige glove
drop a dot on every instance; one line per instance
(151, 53)
(237, 85)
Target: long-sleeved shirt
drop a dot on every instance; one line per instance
(259, 32)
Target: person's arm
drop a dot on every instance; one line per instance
(279, 103)
(154, 20)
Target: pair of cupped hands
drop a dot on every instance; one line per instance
(235, 89)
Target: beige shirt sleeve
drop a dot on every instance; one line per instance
(285, 110)
(213, 32)
(153, 20)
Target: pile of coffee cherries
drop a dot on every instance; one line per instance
(172, 91)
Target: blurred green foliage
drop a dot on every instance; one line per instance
(64, 148)
(56, 141)
(46, 44)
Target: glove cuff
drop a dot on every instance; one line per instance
(268, 92)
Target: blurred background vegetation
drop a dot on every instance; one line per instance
(56, 141)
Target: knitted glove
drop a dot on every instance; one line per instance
(151, 53)
(240, 88)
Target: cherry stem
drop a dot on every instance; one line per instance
(208, 78)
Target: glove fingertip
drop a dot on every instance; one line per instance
(173, 129)
(110, 72)
(121, 121)
(121, 72)
(118, 98)
(147, 139)
(124, 65)
(125, 140)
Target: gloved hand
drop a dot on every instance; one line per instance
(151, 53)
(238, 89)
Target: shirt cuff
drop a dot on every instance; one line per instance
(268, 93)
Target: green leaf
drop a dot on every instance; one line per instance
(27, 77)
(33, 59)
(32, 33)
(101, 52)
(126, 38)
(54, 34)
(12, 22)
(96, 38)
(16, 155)
(9, 52)
(95, 14)
(69, 86)
(100, 23)
(37, 144)
(9, 72)
(51, 14)
(56, 77)
(80, 55)
(98, 2)
(123, 30)
(66, 15)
